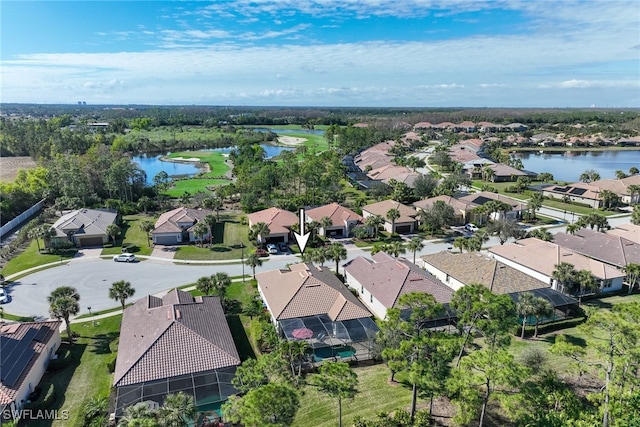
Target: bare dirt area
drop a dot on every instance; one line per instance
(290, 140)
(9, 167)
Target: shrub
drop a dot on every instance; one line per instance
(534, 358)
(111, 364)
(64, 355)
(46, 398)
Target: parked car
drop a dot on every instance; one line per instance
(272, 248)
(261, 252)
(125, 258)
(471, 227)
(4, 298)
(283, 247)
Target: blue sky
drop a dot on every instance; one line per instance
(376, 53)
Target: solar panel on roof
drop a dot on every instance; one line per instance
(14, 372)
(578, 191)
(481, 200)
(561, 189)
(14, 363)
(42, 333)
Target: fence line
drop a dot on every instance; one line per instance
(15, 222)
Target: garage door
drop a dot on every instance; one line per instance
(275, 239)
(90, 241)
(166, 240)
(403, 229)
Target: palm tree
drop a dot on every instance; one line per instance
(542, 234)
(63, 303)
(488, 173)
(337, 252)
(199, 231)
(214, 203)
(210, 221)
(620, 174)
(204, 285)
(392, 215)
(259, 232)
(525, 307)
(414, 245)
(460, 243)
(374, 221)
(113, 231)
(325, 223)
(632, 271)
(144, 202)
(120, 291)
(586, 282)
(41, 231)
(564, 274)
(633, 170)
(177, 410)
(535, 203)
(320, 255)
(573, 228)
(253, 261)
(136, 414)
(633, 191)
(221, 282)
(147, 226)
(394, 249)
(541, 309)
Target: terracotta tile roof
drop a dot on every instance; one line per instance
(407, 213)
(339, 214)
(457, 204)
(423, 125)
(306, 290)
(543, 256)
(408, 178)
(172, 339)
(388, 278)
(483, 197)
(462, 154)
(387, 172)
(500, 169)
(618, 186)
(85, 221)
(608, 248)
(471, 268)
(278, 220)
(14, 332)
(168, 221)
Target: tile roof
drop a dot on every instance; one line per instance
(408, 178)
(168, 221)
(388, 171)
(85, 221)
(609, 248)
(618, 186)
(177, 336)
(407, 213)
(483, 197)
(457, 204)
(471, 268)
(628, 231)
(339, 214)
(578, 189)
(500, 169)
(278, 220)
(543, 256)
(306, 290)
(15, 332)
(388, 278)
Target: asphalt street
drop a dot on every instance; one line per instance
(93, 276)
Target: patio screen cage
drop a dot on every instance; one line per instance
(208, 388)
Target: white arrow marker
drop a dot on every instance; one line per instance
(303, 237)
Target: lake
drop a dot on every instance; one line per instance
(152, 165)
(568, 165)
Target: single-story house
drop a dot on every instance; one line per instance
(308, 302)
(176, 226)
(458, 270)
(175, 343)
(406, 223)
(343, 220)
(279, 222)
(608, 248)
(462, 209)
(83, 227)
(538, 259)
(25, 351)
(580, 192)
(620, 187)
(482, 197)
(628, 231)
(505, 173)
(380, 282)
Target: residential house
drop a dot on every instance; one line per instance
(539, 259)
(482, 197)
(581, 192)
(83, 227)
(380, 282)
(25, 351)
(628, 231)
(343, 220)
(175, 343)
(393, 172)
(506, 173)
(463, 154)
(308, 302)
(620, 187)
(279, 222)
(458, 270)
(176, 226)
(422, 126)
(608, 248)
(462, 209)
(406, 223)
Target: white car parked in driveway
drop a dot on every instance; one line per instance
(273, 249)
(471, 227)
(125, 258)
(4, 298)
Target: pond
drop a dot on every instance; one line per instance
(568, 165)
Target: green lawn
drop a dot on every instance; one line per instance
(228, 234)
(188, 133)
(85, 374)
(570, 207)
(134, 238)
(375, 394)
(217, 161)
(31, 258)
(194, 185)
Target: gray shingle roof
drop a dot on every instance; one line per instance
(604, 247)
(172, 336)
(168, 221)
(90, 222)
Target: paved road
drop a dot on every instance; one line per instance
(93, 276)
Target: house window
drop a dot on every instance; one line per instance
(606, 283)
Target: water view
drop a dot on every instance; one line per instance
(568, 165)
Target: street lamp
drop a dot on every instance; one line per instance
(89, 308)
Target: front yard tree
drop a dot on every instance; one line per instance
(147, 226)
(535, 203)
(63, 303)
(259, 233)
(505, 229)
(120, 291)
(338, 380)
(210, 221)
(205, 285)
(415, 245)
(374, 221)
(40, 232)
(199, 231)
(113, 231)
(337, 252)
(635, 215)
(253, 261)
(325, 223)
(392, 215)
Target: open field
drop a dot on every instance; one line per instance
(9, 167)
(194, 185)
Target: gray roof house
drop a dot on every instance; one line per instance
(176, 226)
(605, 247)
(174, 343)
(83, 227)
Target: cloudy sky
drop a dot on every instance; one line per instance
(394, 53)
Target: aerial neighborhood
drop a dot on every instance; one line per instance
(203, 267)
